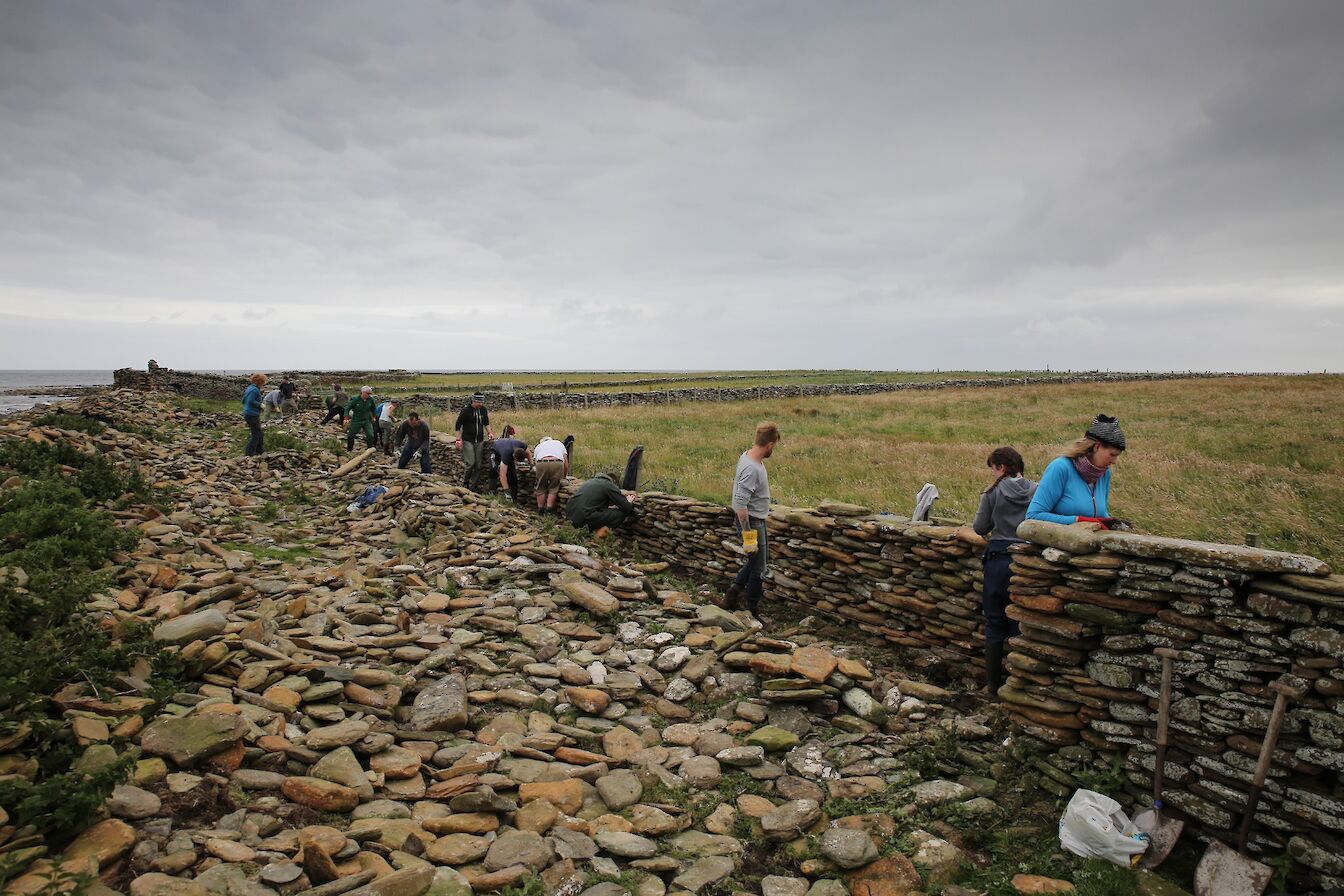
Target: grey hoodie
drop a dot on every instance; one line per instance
(1003, 508)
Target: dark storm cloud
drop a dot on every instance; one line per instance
(746, 184)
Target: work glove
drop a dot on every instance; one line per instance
(1102, 521)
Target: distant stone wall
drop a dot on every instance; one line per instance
(216, 386)
(584, 400)
(221, 387)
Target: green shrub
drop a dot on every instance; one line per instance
(63, 803)
(95, 476)
(47, 641)
(284, 441)
(71, 421)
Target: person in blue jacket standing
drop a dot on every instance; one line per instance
(1075, 487)
(252, 414)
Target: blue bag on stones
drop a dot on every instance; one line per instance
(367, 497)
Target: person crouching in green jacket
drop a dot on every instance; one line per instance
(362, 415)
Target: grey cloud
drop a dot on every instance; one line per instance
(866, 185)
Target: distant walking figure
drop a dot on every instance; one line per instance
(252, 414)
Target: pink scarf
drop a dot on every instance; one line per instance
(1090, 472)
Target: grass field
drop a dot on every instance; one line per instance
(1208, 459)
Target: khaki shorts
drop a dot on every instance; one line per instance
(550, 473)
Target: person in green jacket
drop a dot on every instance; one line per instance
(599, 505)
(362, 416)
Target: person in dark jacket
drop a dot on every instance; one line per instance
(336, 404)
(473, 428)
(289, 404)
(508, 453)
(600, 505)
(1003, 506)
(252, 414)
(415, 433)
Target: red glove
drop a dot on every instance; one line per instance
(1104, 522)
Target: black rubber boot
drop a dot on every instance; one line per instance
(755, 591)
(994, 667)
(731, 600)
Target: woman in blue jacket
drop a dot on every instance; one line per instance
(252, 413)
(1075, 487)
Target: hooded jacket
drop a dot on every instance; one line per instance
(1003, 508)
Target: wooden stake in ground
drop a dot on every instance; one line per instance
(353, 462)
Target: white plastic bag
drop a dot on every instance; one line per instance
(1093, 826)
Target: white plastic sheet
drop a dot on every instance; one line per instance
(1093, 826)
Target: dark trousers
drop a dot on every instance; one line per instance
(607, 516)
(998, 627)
(332, 414)
(409, 451)
(511, 477)
(749, 577)
(253, 436)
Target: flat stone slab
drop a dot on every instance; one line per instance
(1202, 553)
(1074, 539)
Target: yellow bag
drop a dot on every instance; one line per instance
(749, 540)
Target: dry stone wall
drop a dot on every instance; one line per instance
(227, 386)
(583, 400)
(218, 386)
(1083, 676)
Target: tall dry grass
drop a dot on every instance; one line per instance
(1208, 459)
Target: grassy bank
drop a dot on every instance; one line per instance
(1208, 459)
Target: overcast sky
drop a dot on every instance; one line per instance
(672, 185)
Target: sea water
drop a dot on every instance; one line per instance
(21, 389)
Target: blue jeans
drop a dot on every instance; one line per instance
(751, 573)
(408, 452)
(253, 436)
(998, 627)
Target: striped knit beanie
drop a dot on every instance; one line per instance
(1107, 431)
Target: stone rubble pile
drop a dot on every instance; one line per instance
(431, 695)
